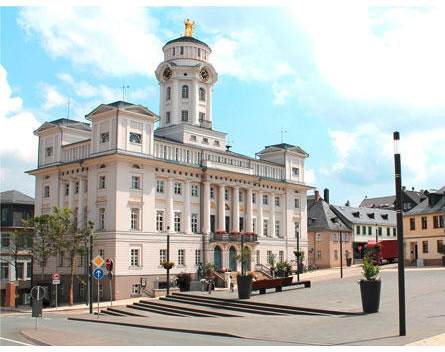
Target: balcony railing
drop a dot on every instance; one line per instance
(205, 123)
(231, 237)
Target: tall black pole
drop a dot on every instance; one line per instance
(298, 256)
(90, 274)
(341, 256)
(168, 260)
(242, 254)
(401, 258)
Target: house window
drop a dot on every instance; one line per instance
(346, 237)
(336, 254)
(254, 198)
(265, 199)
(4, 270)
(202, 94)
(295, 171)
(28, 270)
(412, 223)
(241, 224)
(194, 190)
(181, 259)
(197, 256)
(135, 218)
(5, 240)
(254, 225)
(318, 254)
(184, 115)
(173, 51)
(185, 92)
(277, 201)
(439, 244)
(135, 289)
(46, 192)
(388, 231)
(406, 206)
(318, 237)
(178, 189)
(435, 222)
(168, 93)
(134, 257)
(178, 222)
(167, 117)
(193, 138)
(20, 268)
(199, 52)
(67, 189)
(135, 182)
(49, 151)
(194, 223)
(257, 257)
(424, 223)
(159, 220)
(76, 187)
(102, 253)
(135, 138)
(335, 237)
(425, 246)
(205, 140)
(394, 232)
(265, 227)
(297, 203)
(160, 186)
(212, 192)
(357, 230)
(181, 50)
(281, 256)
(269, 257)
(162, 256)
(104, 137)
(364, 230)
(380, 231)
(277, 228)
(101, 220)
(101, 182)
(369, 230)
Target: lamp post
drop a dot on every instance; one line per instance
(341, 255)
(168, 260)
(376, 234)
(400, 260)
(242, 254)
(298, 256)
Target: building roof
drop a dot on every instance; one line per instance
(366, 216)
(434, 203)
(321, 217)
(186, 39)
(72, 123)
(15, 197)
(388, 201)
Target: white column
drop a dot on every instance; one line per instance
(221, 209)
(187, 227)
(170, 214)
(206, 208)
(248, 225)
(81, 215)
(260, 214)
(235, 208)
(272, 214)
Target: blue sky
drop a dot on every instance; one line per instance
(338, 79)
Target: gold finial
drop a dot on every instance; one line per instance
(188, 28)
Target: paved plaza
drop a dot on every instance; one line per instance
(425, 294)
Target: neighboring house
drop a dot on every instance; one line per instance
(424, 231)
(409, 200)
(15, 207)
(324, 228)
(368, 225)
(138, 183)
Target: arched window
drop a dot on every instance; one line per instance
(202, 94)
(168, 95)
(185, 91)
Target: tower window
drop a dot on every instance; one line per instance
(184, 115)
(168, 95)
(104, 137)
(181, 50)
(135, 138)
(202, 116)
(185, 92)
(173, 51)
(199, 52)
(202, 94)
(167, 117)
(49, 151)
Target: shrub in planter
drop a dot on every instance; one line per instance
(280, 269)
(370, 286)
(348, 258)
(299, 255)
(244, 282)
(168, 265)
(184, 280)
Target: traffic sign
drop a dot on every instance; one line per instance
(98, 274)
(38, 293)
(109, 264)
(98, 261)
(56, 282)
(56, 276)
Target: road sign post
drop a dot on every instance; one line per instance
(56, 281)
(98, 274)
(109, 266)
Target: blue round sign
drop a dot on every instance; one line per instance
(98, 274)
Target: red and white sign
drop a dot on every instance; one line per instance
(56, 276)
(108, 262)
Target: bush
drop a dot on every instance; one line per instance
(370, 269)
(280, 269)
(184, 280)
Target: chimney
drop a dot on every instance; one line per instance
(317, 195)
(403, 188)
(326, 195)
(412, 188)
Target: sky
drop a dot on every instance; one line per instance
(338, 79)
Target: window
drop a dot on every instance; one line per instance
(335, 237)
(335, 254)
(167, 117)
(76, 187)
(369, 230)
(380, 231)
(406, 206)
(281, 256)
(135, 138)
(425, 246)
(277, 228)
(4, 270)
(181, 259)
(159, 220)
(318, 237)
(194, 190)
(254, 225)
(226, 194)
(135, 182)
(104, 137)
(269, 257)
(173, 51)
(318, 254)
(67, 189)
(205, 140)
(388, 231)
(135, 218)
(101, 182)
(134, 257)
(102, 253)
(441, 221)
(162, 256)
(46, 192)
(257, 257)
(412, 223)
(181, 50)
(184, 115)
(295, 171)
(160, 186)
(357, 230)
(394, 232)
(81, 260)
(197, 256)
(297, 229)
(5, 240)
(364, 230)
(168, 93)
(254, 198)
(28, 270)
(265, 199)
(435, 222)
(178, 189)
(199, 52)
(101, 219)
(20, 268)
(202, 94)
(212, 192)
(49, 151)
(346, 237)
(194, 223)
(439, 244)
(241, 224)
(135, 289)
(265, 227)
(178, 222)
(277, 201)
(424, 223)
(297, 203)
(185, 92)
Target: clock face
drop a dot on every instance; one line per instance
(167, 73)
(204, 75)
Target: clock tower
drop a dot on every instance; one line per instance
(186, 78)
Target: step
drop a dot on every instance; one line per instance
(172, 309)
(154, 310)
(126, 311)
(187, 308)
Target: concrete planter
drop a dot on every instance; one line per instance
(370, 291)
(244, 286)
(348, 261)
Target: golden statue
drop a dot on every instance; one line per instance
(188, 28)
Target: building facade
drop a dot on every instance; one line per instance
(138, 183)
(424, 231)
(15, 207)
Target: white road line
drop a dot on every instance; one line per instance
(18, 342)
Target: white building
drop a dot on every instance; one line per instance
(139, 183)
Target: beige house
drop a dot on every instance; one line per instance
(139, 182)
(424, 231)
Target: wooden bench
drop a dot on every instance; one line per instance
(277, 283)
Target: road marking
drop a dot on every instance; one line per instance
(18, 342)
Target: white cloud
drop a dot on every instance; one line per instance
(114, 40)
(52, 97)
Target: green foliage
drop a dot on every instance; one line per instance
(243, 257)
(370, 269)
(209, 269)
(299, 255)
(347, 254)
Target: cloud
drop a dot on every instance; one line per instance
(52, 97)
(113, 40)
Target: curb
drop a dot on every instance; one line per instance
(34, 340)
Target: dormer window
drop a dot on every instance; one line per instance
(135, 138)
(49, 151)
(371, 215)
(356, 214)
(168, 93)
(185, 92)
(295, 171)
(104, 137)
(385, 216)
(202, 94)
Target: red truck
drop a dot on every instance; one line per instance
(384, 250)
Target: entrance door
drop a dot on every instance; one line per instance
(247, 265)
(232, 260)
(228, 223)
(415, 252)
(217, 257)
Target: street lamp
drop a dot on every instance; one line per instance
(401, 261)
(341, 255)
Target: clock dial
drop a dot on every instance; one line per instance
(204, 75)
(167, 73)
